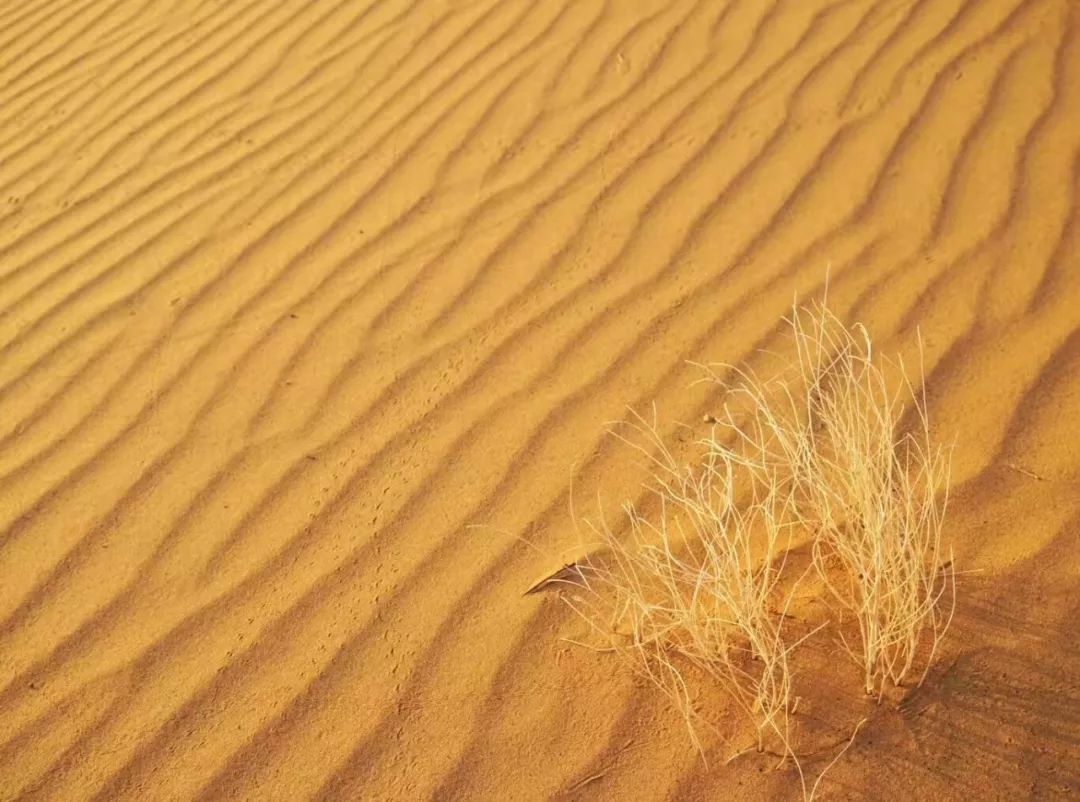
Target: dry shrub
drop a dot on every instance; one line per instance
(815, 454)
(699, 582)
(873, 494)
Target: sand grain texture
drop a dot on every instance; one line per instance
(292, 293)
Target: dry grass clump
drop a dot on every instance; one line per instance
(835, 451)
(873, 495)
(698, 582)
(877, 497)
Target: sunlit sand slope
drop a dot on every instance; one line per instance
(295, 292)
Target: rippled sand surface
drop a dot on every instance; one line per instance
(294, 294)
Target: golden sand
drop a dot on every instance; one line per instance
(295, 293)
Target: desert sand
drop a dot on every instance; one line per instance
(312, 313)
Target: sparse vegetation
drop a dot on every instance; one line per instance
(698, 581)
(833, 454)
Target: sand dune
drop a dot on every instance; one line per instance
(295, 294)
